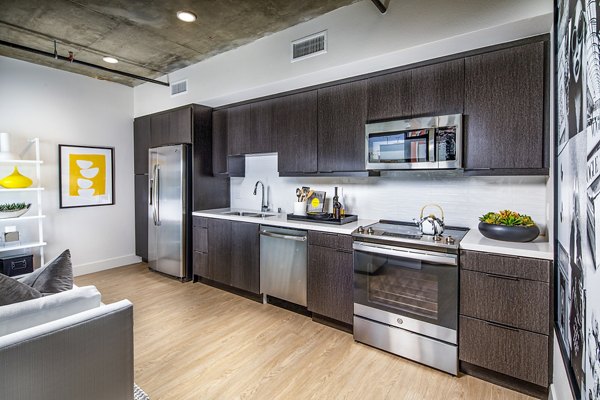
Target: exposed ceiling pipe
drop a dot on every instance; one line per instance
(382, 8)
(74, 61)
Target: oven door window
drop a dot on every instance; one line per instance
(399, 147)
(418, 289)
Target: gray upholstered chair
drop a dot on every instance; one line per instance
(87, 355)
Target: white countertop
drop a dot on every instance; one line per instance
(282, 221)
(539, 248)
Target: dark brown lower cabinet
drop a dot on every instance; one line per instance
(330, 283)
(513, 352)
(505, 321)
(245, 251)
(330, 277)
(232, 253)
(141, 216)
(201, 265)
(219, 250)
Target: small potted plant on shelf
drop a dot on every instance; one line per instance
(509, 226)
(13, 210)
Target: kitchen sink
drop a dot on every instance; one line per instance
(249, 214)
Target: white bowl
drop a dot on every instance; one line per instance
(90, 173)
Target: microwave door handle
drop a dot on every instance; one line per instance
(410, 254)
(432, 145)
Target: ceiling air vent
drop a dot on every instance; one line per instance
(179, 87)
(309, 46)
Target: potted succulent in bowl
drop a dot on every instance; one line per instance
(13, 210)
(509, 226)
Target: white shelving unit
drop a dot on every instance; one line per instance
(37, 242)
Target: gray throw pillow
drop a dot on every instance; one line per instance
(13, 291)
(57, 276)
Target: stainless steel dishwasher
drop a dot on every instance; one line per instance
(283, 260)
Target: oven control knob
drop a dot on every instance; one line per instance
(361, 229)
(370, 231)
(399, 320)
(450, 240)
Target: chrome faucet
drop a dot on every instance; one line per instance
(263, 207)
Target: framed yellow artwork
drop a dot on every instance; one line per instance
(86, 176)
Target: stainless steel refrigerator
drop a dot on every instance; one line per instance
(169, 209)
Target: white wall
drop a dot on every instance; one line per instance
(64, 108)
(361, 40)
(401, 196)
(560, 388)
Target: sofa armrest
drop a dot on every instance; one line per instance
(88, 355)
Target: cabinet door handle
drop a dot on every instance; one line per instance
(508, 278)
(508, 328)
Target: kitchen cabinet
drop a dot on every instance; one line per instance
(141, 144)
(232, 253)
(171, 127)
(141, 216)
(180, 126)
(219, 250)
(505, 321)
(505, 96)
(330, 276)
(250, 128)
(295, 127)
(389, 96)
(438, 89)
(342, 113)
(219, 142)
(261, 134)
(222, 164)
(245, 251)
(159, 129)
(200, 247)
(238, 122)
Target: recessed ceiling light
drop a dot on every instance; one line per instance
(186, 16)
(110, 60)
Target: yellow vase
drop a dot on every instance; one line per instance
(15, 180)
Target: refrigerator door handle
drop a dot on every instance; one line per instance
(157, 195)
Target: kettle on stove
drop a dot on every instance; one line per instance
(430, 225)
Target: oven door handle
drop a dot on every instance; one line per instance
(446, 259)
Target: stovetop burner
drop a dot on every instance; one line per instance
(409, 233)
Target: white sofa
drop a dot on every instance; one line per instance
(67, 346)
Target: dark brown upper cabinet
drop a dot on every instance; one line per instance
(180, 126)
(295, 130)
(141, 144)
(504, 110)
(261, 133)
(239, 120)
(249, 128)
(438, 89)
(342, 115)
(171, 127)
(159, 129)
(389, 96)
(219, 142)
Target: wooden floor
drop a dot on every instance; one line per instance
(193, 341)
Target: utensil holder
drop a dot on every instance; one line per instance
(300, 208)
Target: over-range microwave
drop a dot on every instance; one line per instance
(418, 143)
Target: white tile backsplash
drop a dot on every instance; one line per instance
(399, 195)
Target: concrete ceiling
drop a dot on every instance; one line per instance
(145, 36)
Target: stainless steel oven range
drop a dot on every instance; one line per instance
(406, 292)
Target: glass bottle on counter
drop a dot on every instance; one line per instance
(337, 206)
